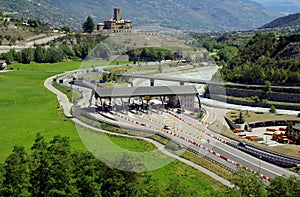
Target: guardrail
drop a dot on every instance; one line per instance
(190, 148)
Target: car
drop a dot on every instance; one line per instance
(242, 144)
(166, 127)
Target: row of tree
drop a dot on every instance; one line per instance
(248, 184)
(152, 54)
(55, 52)
(53, 169)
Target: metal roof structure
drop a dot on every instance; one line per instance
(146, 91)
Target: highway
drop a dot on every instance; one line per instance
(189, 131)
(192, 134)
(64, 102)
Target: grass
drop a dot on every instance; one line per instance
(27, 107)
(255, 117)
(226, 174)
(264, 101)
(70, 93)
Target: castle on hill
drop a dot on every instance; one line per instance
(117, 24)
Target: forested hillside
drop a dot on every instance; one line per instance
(282, 6)
(287, 21)
(205, 15)
(42, 10)
(266, 57)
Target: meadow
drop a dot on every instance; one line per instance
(27, 108)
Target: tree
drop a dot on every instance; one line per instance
(289, 130)
(284, 186)
(227, 53)
(66, 29)
(267, 88)
(67, 52)
(88, 26)
(50, 170)
(16, 176)
(61, 181)
(8, 57)
(39, 167)
(248, 184)
(39, 54)
(27, 55)
(86, 174)
(241, 119)
(54, 55)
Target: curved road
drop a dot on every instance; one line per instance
(233, 156)
(64, 102)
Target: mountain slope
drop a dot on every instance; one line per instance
(204, 15)
(38, 9)
(179, 14)
(286, 21)
(283, 6)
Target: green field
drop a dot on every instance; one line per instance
(27, 107)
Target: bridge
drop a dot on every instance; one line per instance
(182, 81)
(152, 79)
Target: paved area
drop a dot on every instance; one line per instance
(63, 100)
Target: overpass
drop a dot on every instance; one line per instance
(152, 79)
(182, 81)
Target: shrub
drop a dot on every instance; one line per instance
(272, 109)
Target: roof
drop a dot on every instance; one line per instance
(146, 91)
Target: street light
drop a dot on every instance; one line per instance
(259, 164)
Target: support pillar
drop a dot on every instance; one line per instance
(151, 82)
(198, 97)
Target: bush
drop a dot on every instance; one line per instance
(272, 109)
(255, 98)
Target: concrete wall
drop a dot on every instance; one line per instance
(243, 93)
(252, 104)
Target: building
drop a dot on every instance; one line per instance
(3, 65)
(296, 132)
(170, 96)
(116, 24)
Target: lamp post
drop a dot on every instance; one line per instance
(259, 164)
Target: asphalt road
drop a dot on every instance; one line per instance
(189, 132)
(64, 102)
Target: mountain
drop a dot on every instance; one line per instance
(286, 21)
(38, 9)
(283, 6)
(204, 15)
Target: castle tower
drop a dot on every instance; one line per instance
(117, 16)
